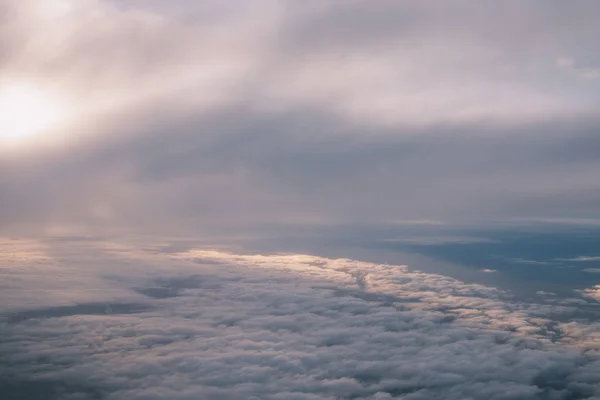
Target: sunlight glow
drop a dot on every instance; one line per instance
(26, 113)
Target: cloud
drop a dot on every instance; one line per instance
(583, 259)
(529, 262)
(440, 240)
(286, 326)
(326, 114)
(565, 62)
(593, 293)
(211, 120)
(545, 293)
(570, 65)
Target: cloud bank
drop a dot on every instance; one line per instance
(198, 116)
(215, 325)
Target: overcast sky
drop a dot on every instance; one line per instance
(140, 139)
(187, 116)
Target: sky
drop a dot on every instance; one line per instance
(192, 116)
(352, 195)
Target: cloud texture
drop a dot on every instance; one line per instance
(214, 325)
(223, 120)
(202, 115)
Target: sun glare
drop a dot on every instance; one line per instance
(26, 113)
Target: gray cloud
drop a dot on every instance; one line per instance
(237, 175)
(203, 114)
(213, 119)
(279, 327)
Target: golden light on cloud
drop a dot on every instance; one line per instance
(27, 113)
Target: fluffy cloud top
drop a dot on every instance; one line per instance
(214, 325)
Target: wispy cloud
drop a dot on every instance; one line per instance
(432, 240)
(570, 65)
(592, 270)
(582, 259)
(530, 262)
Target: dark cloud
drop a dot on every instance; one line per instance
(248, 167)
(79, 309)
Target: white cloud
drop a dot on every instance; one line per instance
(582, 259)
(592, 270)
(530, 262)
(545, 293)
(593, 293)
(230, 326)
(565, 62)
(570, 65)
(180, 55)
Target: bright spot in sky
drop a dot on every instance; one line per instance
(26, 113)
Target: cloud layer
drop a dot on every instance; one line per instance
(220, 120)
(218, 325)
(195, 116)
